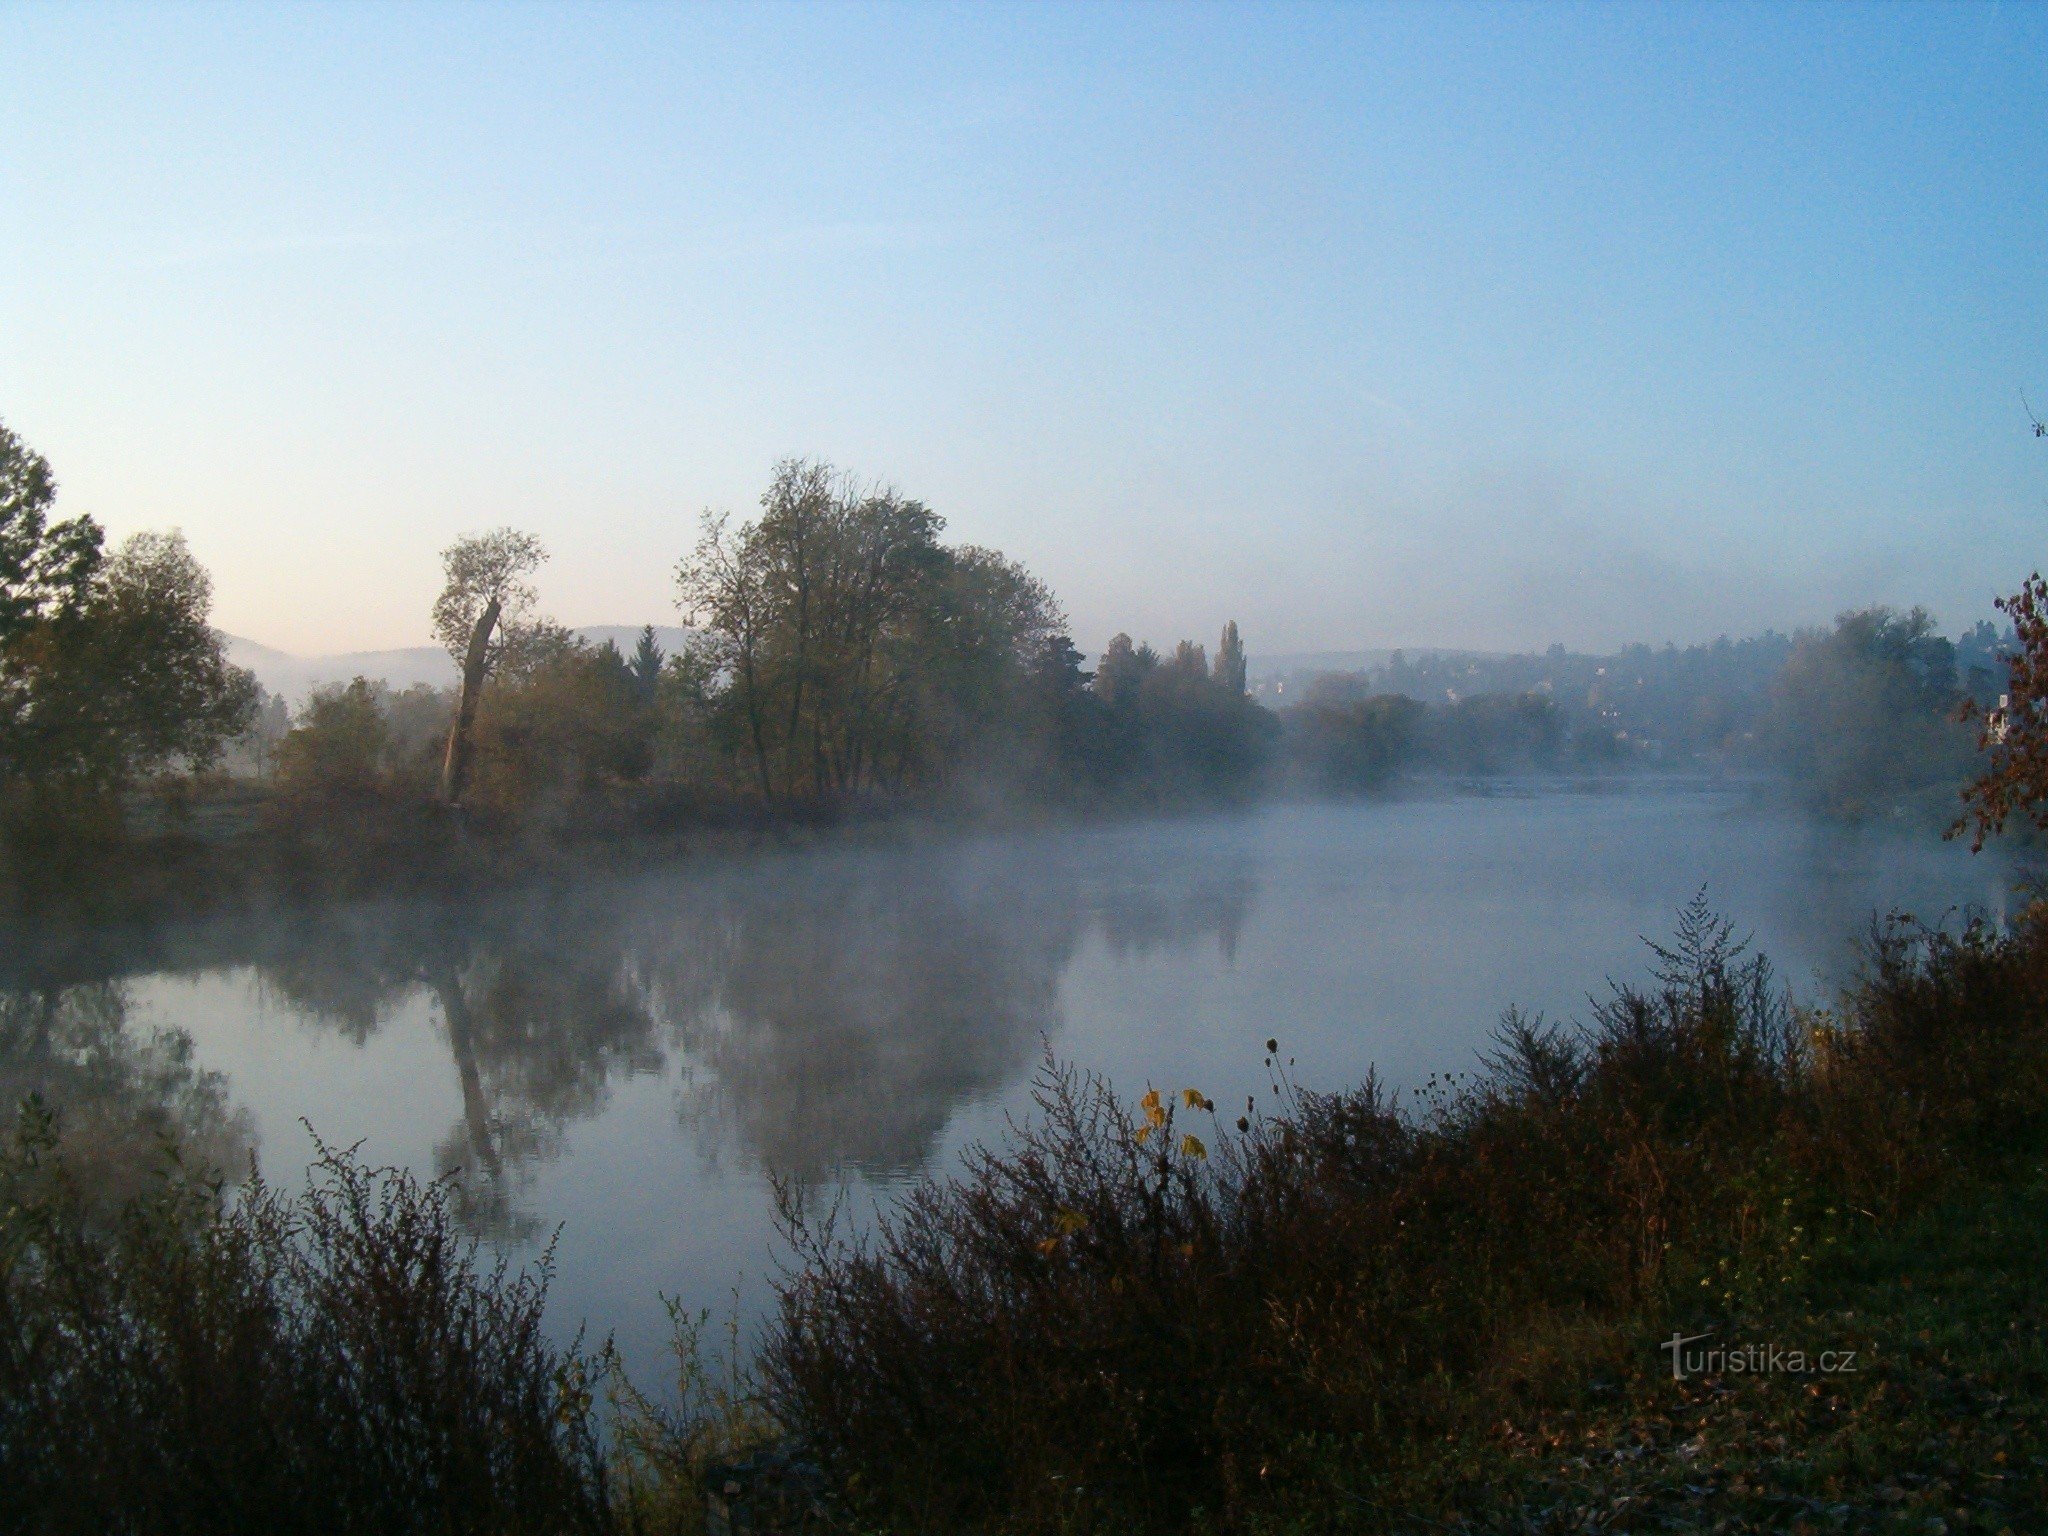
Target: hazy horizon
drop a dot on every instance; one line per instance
(1471, 328)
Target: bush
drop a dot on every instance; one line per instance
(334, 1363)
(1115, 1324)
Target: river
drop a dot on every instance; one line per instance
(619, 1063)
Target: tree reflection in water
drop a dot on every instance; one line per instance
(830, 1010)
(123, 1094)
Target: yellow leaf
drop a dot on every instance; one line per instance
(1143, 1132)
(1191, 1097)
(1070, 1221)
(1049, 1246)
(1190, 1147)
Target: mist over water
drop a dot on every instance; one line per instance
(623, 1061)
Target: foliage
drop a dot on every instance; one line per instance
(1664, 705)
(108, 669)
(486, 571)
(1344, 744)
(484, 617)
(1939, 1423)
(666, 1451)
(848, 652)
(334, 1363)
(855, 652)
(1230, 660)
(1862, 718)
(124, 677)
(1112, 1324)
(341, 743)
(562, 726)
(45, 567)
(2014, 731)
(1174, 733)
(646, 663)
(1495, 733)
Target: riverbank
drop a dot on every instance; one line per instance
(1345, 1312)
(1323, 1318)
(1932, 1414)
(195, 850)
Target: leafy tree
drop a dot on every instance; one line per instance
(1862, 716)
(560, 727)
(1123, 669)
(843, 632)
(45, 567)
(1230, 660)
(1177, 732)
(127, 677)
(1495, 733)
(482, 613)
(340, 744)
(2014, 732)
(1346, 743)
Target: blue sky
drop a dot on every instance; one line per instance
(1363, 326)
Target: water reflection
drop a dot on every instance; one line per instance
(852, 1012)
(861, 1009)
(541, 999)
(123, 1095)
(830, 1012)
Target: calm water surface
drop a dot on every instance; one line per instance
(625, 1061)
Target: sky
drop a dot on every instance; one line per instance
(1363, 326)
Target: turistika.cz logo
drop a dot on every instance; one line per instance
(1751, 1359)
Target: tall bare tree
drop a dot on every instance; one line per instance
(483, 607)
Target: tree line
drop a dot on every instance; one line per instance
(842, 653)
(1875, 713)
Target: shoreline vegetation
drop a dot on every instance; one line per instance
(1319, 1311)
(845, 667)
(1332, 1311)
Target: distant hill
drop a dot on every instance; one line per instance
(293, 677)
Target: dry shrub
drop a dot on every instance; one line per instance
(1109, 1324)
(337, 1362)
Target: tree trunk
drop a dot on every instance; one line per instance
(455, 766)
(476, 1114)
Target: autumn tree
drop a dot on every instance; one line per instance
(339, 746)
(483, 610)
(807, 611)
(2014, 732)
(1177, 731)
(140, 681)
(1123, 670)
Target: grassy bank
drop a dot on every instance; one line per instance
(1152, 1318)
(1313, 1312)
(1935, 1416)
